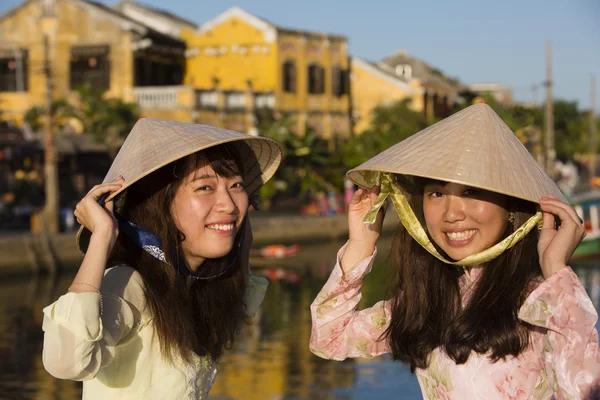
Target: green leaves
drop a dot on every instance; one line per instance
(571, 125)
(311, 164)
(390, 125)
(106, 120)
(62, 112)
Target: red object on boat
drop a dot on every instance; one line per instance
(588, 226)
(276, 251)
(279, 251)
(279, 274)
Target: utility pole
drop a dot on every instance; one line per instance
(593, 133)
(549, 153)
(20, 79)
(50, 224)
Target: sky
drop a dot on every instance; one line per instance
(474, 41)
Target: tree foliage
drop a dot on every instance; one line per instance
(389, 125)
(105, 119)
(571, 124)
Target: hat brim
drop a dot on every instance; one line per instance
(473, 147)
(355, 175)
(259, 169)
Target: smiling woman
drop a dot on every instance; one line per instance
(210, 204)
(482, 304)
(175, 233)
(463, 220)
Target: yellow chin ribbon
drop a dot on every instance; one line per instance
(389, 188)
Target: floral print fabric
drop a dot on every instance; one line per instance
(562, 360)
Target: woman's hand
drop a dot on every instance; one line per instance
(362, 237)
(359, 207)
(555, 247)
(99, 219)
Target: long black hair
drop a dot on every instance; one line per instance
(426, 304)
(199, 316)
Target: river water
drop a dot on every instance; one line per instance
(270, 359)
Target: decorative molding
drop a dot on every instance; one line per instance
(191, 52)
(123, 22)
(141, 44)
(269, 30)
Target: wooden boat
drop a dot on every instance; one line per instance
(278, 274)
(587, 206)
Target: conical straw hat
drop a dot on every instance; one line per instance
(473, 147)
(154, 143)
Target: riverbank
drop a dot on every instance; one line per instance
(24, 253)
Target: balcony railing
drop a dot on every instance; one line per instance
(232, 100)
(170, 97)
(264, 100)
(157, 96)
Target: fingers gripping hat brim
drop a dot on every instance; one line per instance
(154, 143)
(473, 147)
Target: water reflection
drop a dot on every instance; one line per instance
(270, 359)
(22, 375)
(589, 274)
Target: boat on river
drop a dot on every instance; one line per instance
(587, 206)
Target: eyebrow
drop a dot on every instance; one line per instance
(203, 176)
(207, 176)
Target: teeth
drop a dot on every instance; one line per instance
(461, 235)
(226, 227)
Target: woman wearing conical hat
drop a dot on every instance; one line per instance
(483, 304)
(170, 221)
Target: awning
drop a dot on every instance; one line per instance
(90, 51)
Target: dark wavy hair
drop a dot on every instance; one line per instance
(189, 315)
(426, 303)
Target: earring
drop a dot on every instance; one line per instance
(511, 217)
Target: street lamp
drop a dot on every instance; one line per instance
(48, 24)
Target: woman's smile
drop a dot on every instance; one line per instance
(460, 238)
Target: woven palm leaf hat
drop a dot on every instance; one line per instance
(473, 147)
(154, 143)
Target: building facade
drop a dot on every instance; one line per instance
(373, 86)
(81, 42)
(242, 66)
(231, 71)
(439, 92)
(162, 21)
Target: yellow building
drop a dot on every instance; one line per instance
(160, 20)
(374, 86)
(439, 92)
(88, 43)
(241, 64)
(230, 72)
